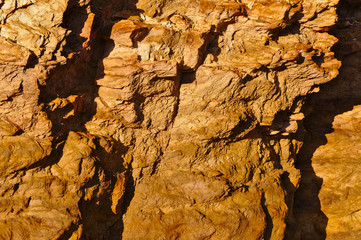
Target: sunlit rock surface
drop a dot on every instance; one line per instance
(157, 119)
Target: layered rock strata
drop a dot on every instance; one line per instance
(328, 201)
(156, 119)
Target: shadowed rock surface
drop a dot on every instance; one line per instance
(156, 119)
(327, 203)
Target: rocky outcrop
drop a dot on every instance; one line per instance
(327, 201)
(156, 119)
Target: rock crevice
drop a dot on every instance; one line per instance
(156, 119)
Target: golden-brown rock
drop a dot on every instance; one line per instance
(326, 203)
(156, 119)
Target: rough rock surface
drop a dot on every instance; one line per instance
(328, 201)
(157, 119)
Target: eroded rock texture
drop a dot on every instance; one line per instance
(328, 201)
(156, 119)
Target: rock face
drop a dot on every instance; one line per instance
(157, 119)
(327, 203)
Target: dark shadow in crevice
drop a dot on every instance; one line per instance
(293, 27)
(77, 79)
(336, 97)
(96, 212)
(32, 60)
(54, 157)
(188, 77)
(73, 20)
(319, 59)
(268, 219)
(311, 222)
(111, 223)
(69, 232)
(115, 231)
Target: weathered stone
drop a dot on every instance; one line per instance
(157, 119)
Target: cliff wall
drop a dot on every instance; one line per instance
(327, 202)
(157, 119)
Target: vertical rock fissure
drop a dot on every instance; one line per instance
(321, 191)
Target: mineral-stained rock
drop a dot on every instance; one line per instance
(156, 119)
